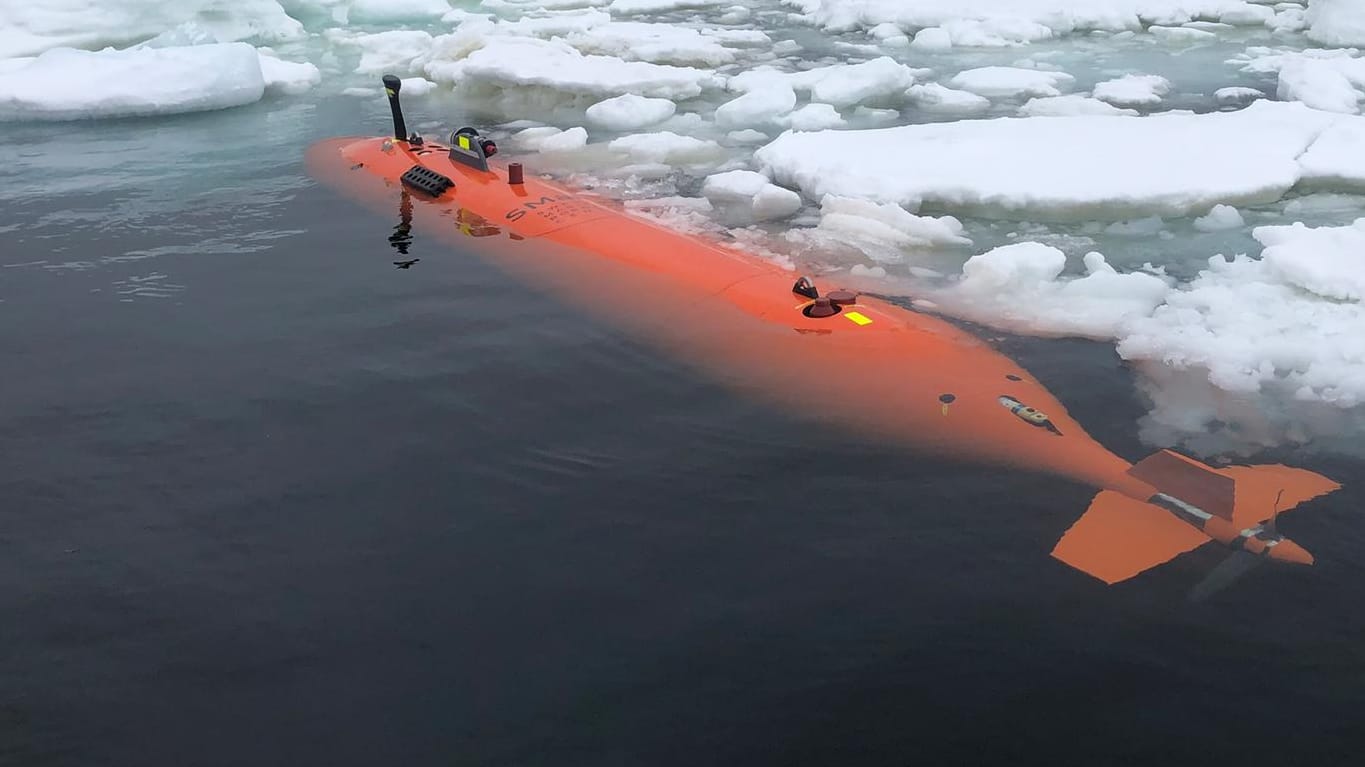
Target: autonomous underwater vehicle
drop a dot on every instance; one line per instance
(852, 360)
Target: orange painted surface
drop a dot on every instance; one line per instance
(876, 368)
(1119, 537)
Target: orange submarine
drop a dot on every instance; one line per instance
(852, 360)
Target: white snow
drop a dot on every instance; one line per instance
(1070, 167)
(932, 39)
(629, 112)
(1011, 82)
(69, 84)
(1237, 95)
(1327, 261)
(933, 97)
(1220, 218)
(1133, 90)
(1073, 104)
(879, 81)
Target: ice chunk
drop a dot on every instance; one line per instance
(287, 76)
(762, 199)
(1056, 16)
(390, 11)
(932, 39)
(995, 82)
(563, 141)
(1328, 261)
(1074, 104)
(417, 86)
(658, 43)
(1332, 80)
(868, 82)
(1133, 90)
(760, 106)
(1337, 22)
(659, 6)
(746, 137)
(1236, 95)
(881, 80)
(882, 231)
(1338, 156)
(666, 147)
(1181, 35)
(1064, 167)
(395, 52)
(516, 62)
(29, 28)
(933, 97)
(68, 84)
(629, 112)
(1220, 218)
(1020, 287)
(812, 117)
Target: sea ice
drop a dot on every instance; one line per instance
(997, 82)
(760, 198)
(1220, 218)
(657, 43)
(1069, 167)
(1337, 22)
(762, 105)
(1073, 104)
(666, 147)
(1133, 90)
(1019, 287)
(814, 117)
(391, 11)
(932, 97)
(517, 62)
(69, 84)
(629, 112)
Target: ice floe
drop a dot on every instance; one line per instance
(1337, 22)
(629, 112)
(753, 192)
(1014, 82)
(1073, 167)
(1133, 90)
(68, 84)
(1070, 105)
(518, 62)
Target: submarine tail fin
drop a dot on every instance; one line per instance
(1243, 495)
(1119, 537)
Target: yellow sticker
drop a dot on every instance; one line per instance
(857, 318)
(464, 142)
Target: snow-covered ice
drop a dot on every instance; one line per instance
(1011, 82)
(1133, 90)
(759, 197)
(629, 112)
(1063, 167)
(68, 84)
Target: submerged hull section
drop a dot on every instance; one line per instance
(869, 366)
(875, 367)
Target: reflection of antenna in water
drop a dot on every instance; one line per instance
(401, 238)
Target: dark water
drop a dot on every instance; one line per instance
(286, 504)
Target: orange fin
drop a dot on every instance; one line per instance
(1189, 480)
(1262, 491)
(1119, 537)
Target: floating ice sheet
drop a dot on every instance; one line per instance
(1066, 168)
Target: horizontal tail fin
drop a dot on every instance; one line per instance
(1119, 537)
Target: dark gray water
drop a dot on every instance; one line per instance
(268, 500)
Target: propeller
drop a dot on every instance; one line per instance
(1228, 572)
(1235, 566)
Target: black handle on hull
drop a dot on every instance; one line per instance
(391, 87)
